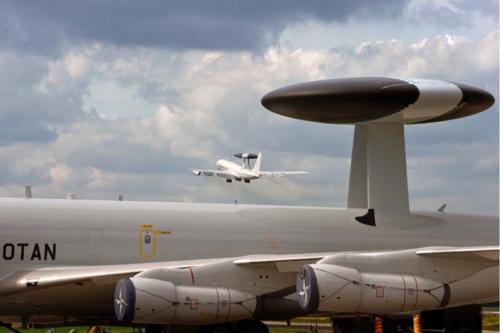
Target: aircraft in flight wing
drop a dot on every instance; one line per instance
(225, 268)
(232, 171)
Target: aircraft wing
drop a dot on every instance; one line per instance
(89, 289)
(50, 277)
(479, 253)
(485, 255)
(276, 174)
(209, 173)
(203, 172)
(46, 277)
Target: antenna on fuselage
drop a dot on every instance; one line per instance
(27, 192)
(442, 208)
(246, 157)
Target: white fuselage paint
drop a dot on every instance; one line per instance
(234, 170)
(107, 232)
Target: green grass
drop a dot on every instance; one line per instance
(79, 329)
(490, 322)
(296, 330)
(83, 329)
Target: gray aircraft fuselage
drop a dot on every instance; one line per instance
(38, 232)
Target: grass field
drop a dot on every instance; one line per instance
(490, 323)
(82, 329)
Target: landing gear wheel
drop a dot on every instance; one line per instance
(252, 326)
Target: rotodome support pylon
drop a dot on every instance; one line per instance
(379, 108)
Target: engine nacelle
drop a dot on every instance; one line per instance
(196, 172)
(152, 301)
(339, 289)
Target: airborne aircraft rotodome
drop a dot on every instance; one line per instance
(225, 268)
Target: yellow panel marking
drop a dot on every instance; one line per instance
(144, 230)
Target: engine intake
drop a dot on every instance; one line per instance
(152, 301)
(339, 289)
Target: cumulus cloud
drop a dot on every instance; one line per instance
(36, 97)
(60, 174)
(448, 12)
(106, 117)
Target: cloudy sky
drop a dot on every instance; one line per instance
(104, 97)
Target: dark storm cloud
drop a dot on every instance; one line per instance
(225, 24)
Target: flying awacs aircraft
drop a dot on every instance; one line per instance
(225, 268)
(230, 170)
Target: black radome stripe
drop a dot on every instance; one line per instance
(342, 101)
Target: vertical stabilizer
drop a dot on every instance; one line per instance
(357, 196)
(256, 166)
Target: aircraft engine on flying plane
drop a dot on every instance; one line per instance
(339, 289)
(196, 172)
(152, 301)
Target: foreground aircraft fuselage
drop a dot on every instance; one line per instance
(38, 232)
